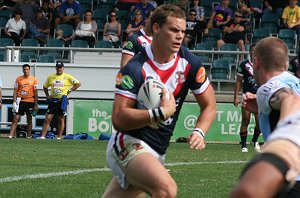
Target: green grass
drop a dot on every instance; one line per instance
(19, 157)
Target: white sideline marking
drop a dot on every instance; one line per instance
(76, 172)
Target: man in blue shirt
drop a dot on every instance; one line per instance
(69, 12)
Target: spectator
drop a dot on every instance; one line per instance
(0, 93)
(291, 16)
(294, 66)
(69, 12)
(25, 100)
(144, 7)
(194, 28)
(39, 27)
(234, 32)
(137, 42)
(28, 8)
(220, 16)
(196, 5)
(112, 29)
(62, 85)
(15, 28)
(47, 11)
(126, 4)
(55, 4)
(86, 29)
(136, 24)
(274, 6)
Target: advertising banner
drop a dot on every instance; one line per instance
(94, 118)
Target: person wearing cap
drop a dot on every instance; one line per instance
(39, 27)
(25, 100)
(62, 85)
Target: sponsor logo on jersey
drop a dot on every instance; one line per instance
(127, 82)
(200, 77)
(129, 45)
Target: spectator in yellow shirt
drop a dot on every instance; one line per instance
(291, 16)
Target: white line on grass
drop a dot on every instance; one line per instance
(76, 172)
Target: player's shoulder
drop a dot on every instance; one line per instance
(191, 58)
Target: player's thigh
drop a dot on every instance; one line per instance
(245, 115)
(144, 171)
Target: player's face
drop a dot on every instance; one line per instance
(171, 34)
(26, 71)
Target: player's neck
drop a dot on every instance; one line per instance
(160, 55)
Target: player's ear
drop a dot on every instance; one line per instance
(155, 28)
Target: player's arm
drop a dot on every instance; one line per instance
(237, 87)
(249, 102)
(75, 86)
(277, 98)
(125, 58)
(125, 116)
(207, 103)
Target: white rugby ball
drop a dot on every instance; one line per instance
(150, 94)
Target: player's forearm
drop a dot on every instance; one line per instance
(206, 118)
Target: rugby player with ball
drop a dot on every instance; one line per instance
(150, 91)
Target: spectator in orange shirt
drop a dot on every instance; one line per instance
(25, 100)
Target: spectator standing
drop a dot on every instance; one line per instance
(137, 42)
(234, 32)
(137, 163)
(246, 79)
(62, 85)
(136, 24)
(220, 16)
(25, 100)
(39, 27)
(28, 8)
(291, 16)
(86, 29)
(112, 29)
(69, 12)
(194, 29)
(15, 28)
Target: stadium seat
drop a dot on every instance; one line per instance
(6, 42)
(46, 59)
(269, 21)
(5, 13)
(213, 36)
(55, 43)
(30, 43)
(206, 58)
(79, 43)
(2, 57)
(259, 34)
(220, 69)
(103, 44)
(66, 28)
(24, 58)
(289, 36)
(232, 58)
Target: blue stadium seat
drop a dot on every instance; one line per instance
(220, 69)
(66, 28)
(289, 37)
(259, 34)
(103, 44)
(79, 43)
(269, 21)
(55, 43)
(30, 43)
(46, 59)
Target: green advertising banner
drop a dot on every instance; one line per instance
(94, 118)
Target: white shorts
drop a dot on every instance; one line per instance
(121, 149)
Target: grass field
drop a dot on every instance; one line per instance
(33, 168)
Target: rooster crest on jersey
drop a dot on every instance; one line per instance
(150, 94)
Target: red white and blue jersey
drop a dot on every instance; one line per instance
(185, 72)
(136, 42)
(245, 70)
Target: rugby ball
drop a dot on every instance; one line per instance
(150, 94)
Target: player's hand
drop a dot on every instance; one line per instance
(15, 107)
(196, 141)
(168, 103)
(249, 102)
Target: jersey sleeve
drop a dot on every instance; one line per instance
(47, 83)
(264, 94)
(130, 46)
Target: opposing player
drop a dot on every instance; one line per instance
(245, 74)
(136, 152)
(273, 173)
(275, 84)
(25, 100)
(137, 41)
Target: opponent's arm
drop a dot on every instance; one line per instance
(237, 87)
(277, 98)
